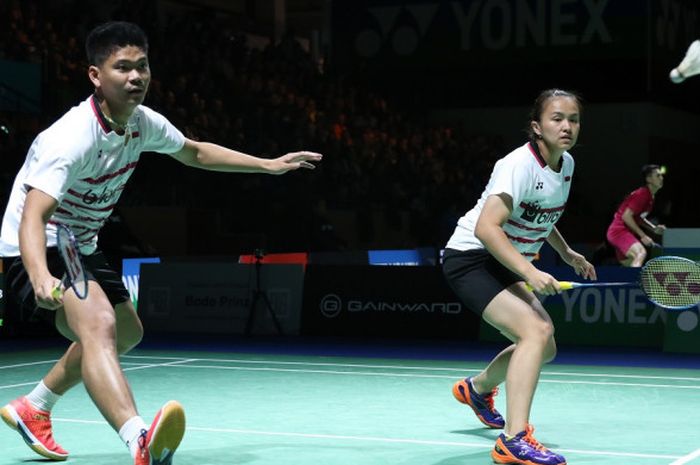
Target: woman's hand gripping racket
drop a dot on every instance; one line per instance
(669, 282)
(75, 273)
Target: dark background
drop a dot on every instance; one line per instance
(410, 102)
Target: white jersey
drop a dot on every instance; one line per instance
(83, 164)
(539, 195)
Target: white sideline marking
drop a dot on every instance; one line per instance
(400, 367)
(418, 375)
(28, 364)
(687, 458)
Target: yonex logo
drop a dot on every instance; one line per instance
(480, 25)
(687, 321)
(678, 284)
(539, 185)
(598, 306)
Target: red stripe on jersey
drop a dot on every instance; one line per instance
(528, 254)
(106, 177)
(90, 232)
(527, 228)
(542, 210)
(79, 218)
(85, 207)
(524, 240)
(78, 195)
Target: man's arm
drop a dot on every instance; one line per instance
(653, 228)
(38, 208)
(628, 218)
(214, 157)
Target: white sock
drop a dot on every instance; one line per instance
(130, 432)
(42, 397)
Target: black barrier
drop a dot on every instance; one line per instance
(383, 302)
(215, 298)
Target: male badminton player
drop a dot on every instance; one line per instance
(628, 230)
(92, 149)
(487, 262)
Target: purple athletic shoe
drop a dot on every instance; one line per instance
(482, 404)
(524, 449)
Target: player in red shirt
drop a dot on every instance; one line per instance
(626, 232)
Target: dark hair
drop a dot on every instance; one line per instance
(647, 170)
(541, 101)
(102, 41)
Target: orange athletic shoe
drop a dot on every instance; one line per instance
(524, 449)
(482, 404)
(34, 426)
(158, 444)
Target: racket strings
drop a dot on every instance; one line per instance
(671, 283)
(71, 257)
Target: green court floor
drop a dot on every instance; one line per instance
(262, 409)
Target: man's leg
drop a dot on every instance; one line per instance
(93, 321)
(635, 255)
(66, 372)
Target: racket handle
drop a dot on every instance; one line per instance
(563, 285)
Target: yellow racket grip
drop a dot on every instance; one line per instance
(57, 293)
(563, 285)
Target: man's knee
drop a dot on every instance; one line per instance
(637, 254)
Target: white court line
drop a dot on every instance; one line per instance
(400, 367)
(388, 440)
(140, 367)
(43, 362)
(155, 365)
(687, 458)
(417, 375)
(10, 386)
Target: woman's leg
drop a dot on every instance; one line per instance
(518, 314)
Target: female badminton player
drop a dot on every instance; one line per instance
(488, 262)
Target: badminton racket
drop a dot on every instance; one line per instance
(75, 272)
(667, 281)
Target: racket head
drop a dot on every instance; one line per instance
(75, 272)
(671, 282)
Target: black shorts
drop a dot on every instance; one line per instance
(96, 268)
(476, 277)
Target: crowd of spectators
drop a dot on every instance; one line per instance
(386, 167)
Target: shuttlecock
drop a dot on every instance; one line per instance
(690, 66)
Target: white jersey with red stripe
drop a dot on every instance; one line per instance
(539, 195)
(83, 164)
